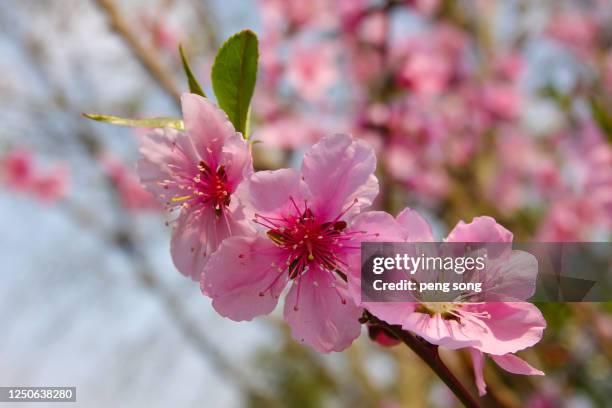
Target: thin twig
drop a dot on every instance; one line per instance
(124, 241)
(429, 354)
(147, 56)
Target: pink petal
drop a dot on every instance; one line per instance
(187, 247)
(481, 229)
(478, 364)
(437, 330)
(207, 126)
(166, 154)
(322, 320)
(416, 227)
(236, 157)
(270, 191)
(512, 326)
(511, 278)
(486, 230)
(243, 279)
(338, 170)
(515, 365)
(197, 235)
(380, 226)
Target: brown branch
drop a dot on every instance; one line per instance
(429, 354)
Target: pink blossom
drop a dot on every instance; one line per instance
(52, 185)
(426, 72)
(509, 66)
(426, 7)
(289, 132)
(508, 362)
(574, 29)
(583, 205)
(312, 71)
(373, 28)
(305, 239)
(501, 100)
(18, 169)
(131, 193)
(366, 64)
(196, 172)
(429, 62)
(496, 328)
(19, 172)
(294, 14)
(163, 33)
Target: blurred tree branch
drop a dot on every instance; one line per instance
(122, 237)
(146, 55)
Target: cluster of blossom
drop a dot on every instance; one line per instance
(19, 172)
(442, 103)
(246, 236)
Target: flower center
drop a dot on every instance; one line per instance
(308, 241)
(461, 312)
(445, 309)
(212, 188)
(206, 188)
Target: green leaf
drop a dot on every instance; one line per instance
(234, 73)
(194, 85)
(145, 123)
(602, 117)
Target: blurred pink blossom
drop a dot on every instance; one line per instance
(509, 66)
(574, 29)
(289, 132)
(583, 204)
(312, 70)
(132, 194)
(18, 169)
(502, 100)
(427, 7)
(428, 62)
(163, 33)
(19, 172)
(53, 185)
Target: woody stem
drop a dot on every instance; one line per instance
(429, 354)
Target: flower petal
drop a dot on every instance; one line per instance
(186, 247)
(509, 327)
(379, 226)
(326, 318)
(338, 170)
(485, 230)
(515, 365)
(511, 278)
(166, 154)
(478, 364)
(417, 229)
(481, 229)
(269, 192)
(207, 126)
(198, 234)
(437, 330)
(243, 278)
(236, 158)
